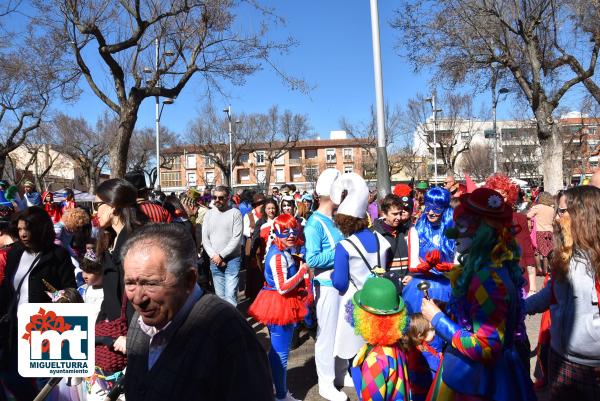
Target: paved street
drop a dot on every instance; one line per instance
(302, 377)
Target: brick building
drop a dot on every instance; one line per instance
(300, 164)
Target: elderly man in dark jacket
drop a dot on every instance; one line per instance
(183, 344)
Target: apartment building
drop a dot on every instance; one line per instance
(299, 164)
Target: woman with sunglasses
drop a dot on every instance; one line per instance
(572, 297)
(281, 304)
(436, 251)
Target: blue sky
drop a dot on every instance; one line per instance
(334, 54)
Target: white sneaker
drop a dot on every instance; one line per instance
(288, 397)
(329, 392)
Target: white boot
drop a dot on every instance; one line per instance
(288, 397)
(329, 392)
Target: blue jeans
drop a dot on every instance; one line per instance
(226, 281)
(281, 340)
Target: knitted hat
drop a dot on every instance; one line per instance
(325, 181)
(379, 297)
(356, 202)
(28, 183)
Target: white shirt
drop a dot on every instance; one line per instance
(93, 297)
(22, 274)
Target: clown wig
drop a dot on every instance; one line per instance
(380, 329)
(282, 223)
(502, 184)
(438, 198)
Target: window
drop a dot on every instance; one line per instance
(280, 160)
(465, 135)
(170, 179)
(310, 153)
(174, 162)
(295, 154)
(260, 175)
(311, 173)
(330, 155)
(279, 175)
(191, 179)
(190, 161)
(243, 174)
(260, 157)
(489, 133)
(244, 157)
(209, 161)
(210, 177)
(347, 155)
(296, 173)
(348, 169)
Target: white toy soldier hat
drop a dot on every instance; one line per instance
(356, 201)
(325, 180)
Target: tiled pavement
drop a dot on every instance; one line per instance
(302, 377)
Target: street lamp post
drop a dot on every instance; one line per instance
(228, 111)
(159, 110)
(495, 98)
(435, 111)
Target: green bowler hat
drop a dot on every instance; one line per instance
(379, 297)
(422, 185)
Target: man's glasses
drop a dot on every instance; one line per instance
(219, 197)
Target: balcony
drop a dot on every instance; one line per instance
(296, 162)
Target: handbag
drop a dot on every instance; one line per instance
(107, 358)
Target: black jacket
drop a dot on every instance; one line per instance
(54, 266)
(113, 282)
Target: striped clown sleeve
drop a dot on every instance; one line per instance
(279, 267)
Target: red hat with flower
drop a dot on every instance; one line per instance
(485, 202)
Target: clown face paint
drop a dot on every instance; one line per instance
(466, 227)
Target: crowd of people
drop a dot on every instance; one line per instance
(421, 295)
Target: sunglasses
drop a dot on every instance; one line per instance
(98, 204)
(287, 233)
(219, 197)
(561, 210)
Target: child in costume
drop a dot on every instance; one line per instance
(379, 370)
(422, 358)
(362, 255)
(53, 209)
(281, 303)
(486, 311)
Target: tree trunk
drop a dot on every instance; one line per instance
(2, 165)
(118, 152)
(268, 168)
(551, 145)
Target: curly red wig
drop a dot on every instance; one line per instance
(503, 184)
(282, 223)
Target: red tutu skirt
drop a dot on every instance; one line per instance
(271, 307)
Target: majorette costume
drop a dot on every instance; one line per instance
(282, 302)
(357, 258)
(436, 252)
(486, 311)
(53, 209)
(379, 370)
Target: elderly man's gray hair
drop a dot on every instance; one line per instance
(173, 239)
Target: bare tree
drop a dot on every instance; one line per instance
(172, 41)
(477, 161)
(142, 151)
(454, 125)
(408, 160)
(534, 41)
(210, 133)
(395, 137)
(86, 146)
(279, 133)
